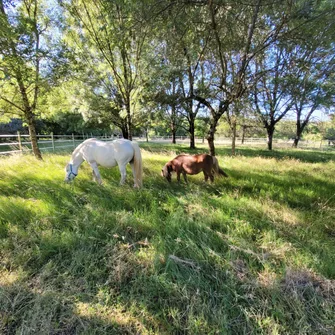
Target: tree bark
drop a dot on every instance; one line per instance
(173, 121)
(32, 134)
(210, 136)
(192, 136)
(173, 137)
(270, 130)
(298, 133)
(125, 132)
(296, 141)
(233, 139)
(129, 122)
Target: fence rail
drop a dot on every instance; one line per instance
(10, 144)
(18, 143)
(282, 143)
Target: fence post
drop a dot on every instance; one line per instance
(53, 141)
(19, 140)
(73, 140)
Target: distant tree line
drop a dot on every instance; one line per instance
(191, 67)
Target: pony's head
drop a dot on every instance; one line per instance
(166, 171)
(70, 172)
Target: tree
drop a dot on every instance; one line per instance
(311, 81)
(22, 28)
(110, 33)
(179, 44)
(296, 70)
(240, 33)
(270, 98)
(330, 132)
(163, 93)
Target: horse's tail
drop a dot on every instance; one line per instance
(138, 169)
(217, 168)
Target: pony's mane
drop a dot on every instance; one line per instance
(77, 149)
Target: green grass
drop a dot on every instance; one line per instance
(250, 254)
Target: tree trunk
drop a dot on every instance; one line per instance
(296, 141)
(32, 134)
(210, 136)
(192, 137)
(173, 137)
(270, 130)
(173, 131)
(299, 131)
(129, 122)
(125, 132)
(233, 139)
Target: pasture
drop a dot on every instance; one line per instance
(250, 254)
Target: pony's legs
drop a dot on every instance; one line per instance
(122, 168)
(206, 176)
(210, 175)
(185, 177)
(134, 175)
(96, 173)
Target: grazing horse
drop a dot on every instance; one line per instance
(108, 154)
(193, 164)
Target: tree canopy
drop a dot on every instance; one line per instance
(131, 64)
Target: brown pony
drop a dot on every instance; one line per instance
(193, 164)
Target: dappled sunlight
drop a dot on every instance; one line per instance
(275, 247)
(280, 213)
(22, 211)
(168, 256)
(116, 315)
(267, 279)
(8, 278)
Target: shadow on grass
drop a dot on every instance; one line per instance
(50, 311)
(98, 259)
(304, 155)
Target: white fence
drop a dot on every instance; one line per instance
(10, 144)
(249, 141)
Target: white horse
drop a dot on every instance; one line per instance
(108, 154)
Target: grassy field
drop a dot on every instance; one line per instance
(250, 254)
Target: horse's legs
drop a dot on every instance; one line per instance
(178, 176)
(134, 174)
(122, 168)
(96, 173)
(94, 176)
(185, 177)
(206, 176)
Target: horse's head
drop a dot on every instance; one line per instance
(166, 171)
(70, 172)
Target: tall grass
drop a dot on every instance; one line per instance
(251, 254)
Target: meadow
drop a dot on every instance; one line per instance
(250, 254)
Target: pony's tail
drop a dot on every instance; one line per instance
(138, 170)
(217, 168)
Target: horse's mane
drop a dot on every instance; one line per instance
(78, 148)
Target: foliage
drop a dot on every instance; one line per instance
(135, 65)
